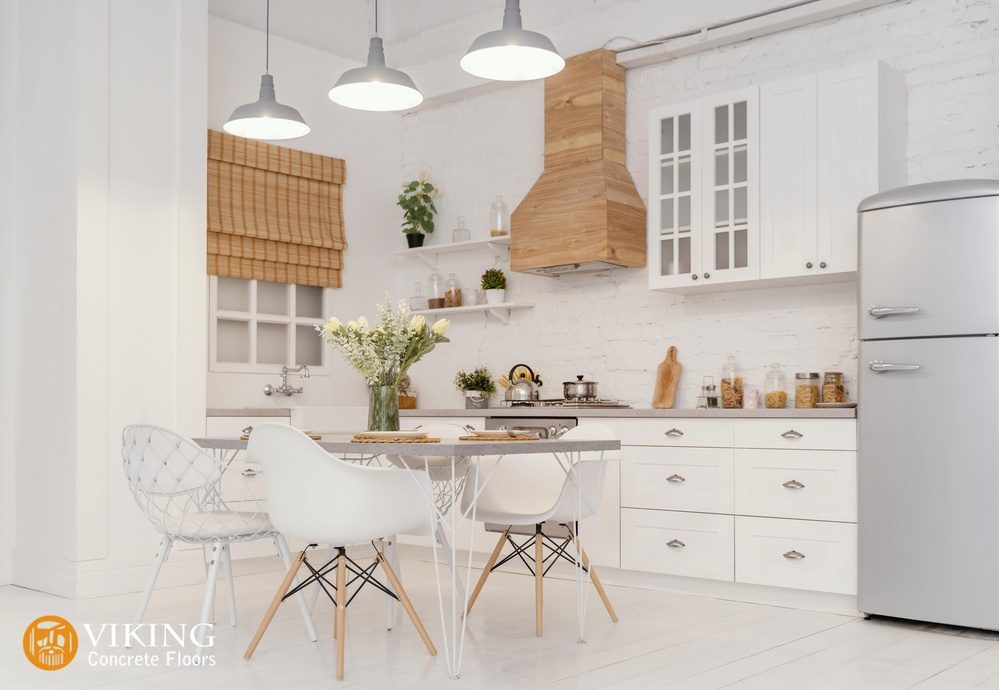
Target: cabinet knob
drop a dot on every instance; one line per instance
(822, 264)
(793, 484)
(794, 555)
(674, 432)
(693, 276)
(808, 265)
(676, 479)
(706, 276)
(677, 544)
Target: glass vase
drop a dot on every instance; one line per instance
(383, 408)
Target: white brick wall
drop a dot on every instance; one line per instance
(609, 326)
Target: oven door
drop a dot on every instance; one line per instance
(545, 427)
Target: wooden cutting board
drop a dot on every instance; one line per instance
(667, 376)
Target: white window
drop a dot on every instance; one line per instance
(257, 326)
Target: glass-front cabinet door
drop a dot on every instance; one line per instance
(730, 231)
(674, 195)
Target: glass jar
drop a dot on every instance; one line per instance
(435, 298)
(806, 389)
(709, 391)
(775, 388)
(833, 390)
(499, 218)
(751, 400)
(417, 302)
(731, 385)
(460, 233)
(452, 292)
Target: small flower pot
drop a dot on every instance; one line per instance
(476, 400)
(414, 239)
(495, 296)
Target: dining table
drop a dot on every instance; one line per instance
(458, 460)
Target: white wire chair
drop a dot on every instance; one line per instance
(182, 491)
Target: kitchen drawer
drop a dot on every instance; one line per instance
(809, 484)
(709, 433)
(689, 544)
(813, 434)
(697, 479)
(801, 554)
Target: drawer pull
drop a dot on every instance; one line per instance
(676, 479)
(791, 433)
(793, 484)
(674, 432)
(794, 555)
(677, 544)
(250, 472)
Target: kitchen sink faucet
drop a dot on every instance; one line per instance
(284, 387)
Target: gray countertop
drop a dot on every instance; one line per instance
(635, 413)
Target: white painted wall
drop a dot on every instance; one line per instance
(609, 326)
(370, 144)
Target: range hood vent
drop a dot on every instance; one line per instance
(583, 213)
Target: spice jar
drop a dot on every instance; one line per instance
(417, 302)
(460, 233)
(435, 297)
(731, 385)
(806, 389)
(499, 218)
(775, 388)
(833, 390)
(452, 293)
(709, 391)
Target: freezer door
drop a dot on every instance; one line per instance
(930, 269)
(929, 480)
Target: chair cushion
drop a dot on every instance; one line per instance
(221, 524)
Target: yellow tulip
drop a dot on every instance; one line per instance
(440, 327)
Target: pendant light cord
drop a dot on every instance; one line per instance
(267, 40)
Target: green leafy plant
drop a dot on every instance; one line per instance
(478, 380)
(493, 279)
(417, 204)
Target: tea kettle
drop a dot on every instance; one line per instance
(523, 384)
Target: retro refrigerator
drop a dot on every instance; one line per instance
(928, 418)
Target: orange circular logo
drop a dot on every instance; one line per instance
(50, 642)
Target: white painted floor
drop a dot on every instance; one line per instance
(663, 640)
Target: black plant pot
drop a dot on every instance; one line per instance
(414, 239)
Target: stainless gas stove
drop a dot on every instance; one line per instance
(568, 404)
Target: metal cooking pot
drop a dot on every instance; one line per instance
(522, 391)
(579, 389)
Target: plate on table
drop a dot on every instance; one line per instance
(390, 435)
(831, 406)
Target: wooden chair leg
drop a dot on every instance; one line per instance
(275, 603)
(340, 623)
(406, 603)
(539, 585)
(493, 557)
(593, 576)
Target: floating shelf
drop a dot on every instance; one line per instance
(499, 246)
(500, 311)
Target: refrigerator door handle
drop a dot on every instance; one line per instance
(879, 367)
(881, 312)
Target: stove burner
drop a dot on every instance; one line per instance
(560, 402)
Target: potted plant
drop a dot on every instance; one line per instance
(418, 209)
(494, 286)
(477, 385)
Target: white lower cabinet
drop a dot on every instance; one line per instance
(802, 554)
(675, 543)
(804, 484)
(697, 479)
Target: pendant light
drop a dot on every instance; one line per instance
(375, 86)
(266, 118)
(512, 53)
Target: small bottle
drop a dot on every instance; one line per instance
(709, 391)
(499, 218)
(435, 298)
(452, 292)
(775, 388)
(460, 233)
(417, 302)
(731, 384)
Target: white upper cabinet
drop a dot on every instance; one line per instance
(782, 169)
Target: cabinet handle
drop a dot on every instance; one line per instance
(693, 276)
(676, 479)
(793, 484)
(674, 432)
(791, 433)
(250, 472)
(706, 276)
(881, 312)
(794, 555)
(822, 264)
(879, 367)
(808, 264)
(677, 544)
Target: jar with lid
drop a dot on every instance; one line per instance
(775, 388)
(417, 302)
(709, 391)
(499, 218)
(435, 297)
(833, 390)
(731, 384)
(806, 389)
(460, 233)
(452, 292)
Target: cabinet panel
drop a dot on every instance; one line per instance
(689, 544)
(788, 239)
(796, 434)
(806, 484)
(709, 433)
(695, 479)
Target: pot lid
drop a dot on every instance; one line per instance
(579, 379)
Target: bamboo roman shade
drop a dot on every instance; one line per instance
(274, 213)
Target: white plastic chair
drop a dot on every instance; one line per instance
(318, 498)
(533, 489)
(180, 489)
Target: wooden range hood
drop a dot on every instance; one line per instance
(583, 213)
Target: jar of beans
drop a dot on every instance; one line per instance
(731, 384)
(806, 389)
(833, 390)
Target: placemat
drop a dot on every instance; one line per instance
(361, 438)
(504, 438)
